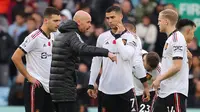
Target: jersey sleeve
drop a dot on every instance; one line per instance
(178, 45)
(96, 64)
(126, 47)
(29, 43)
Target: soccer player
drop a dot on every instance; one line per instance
(152, 66)
(173, 80)
(187, 28)
(116, 81)
(37, 47)
(152, 69)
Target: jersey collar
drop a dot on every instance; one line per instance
(172, 32)
(44, 33)
(118, 35)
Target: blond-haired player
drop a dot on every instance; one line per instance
(173, 80)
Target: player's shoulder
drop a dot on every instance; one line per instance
(104, 34)
(34, 35)
(130, 36)
(177, 37)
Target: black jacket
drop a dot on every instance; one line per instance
(66, 49)
(7, 47)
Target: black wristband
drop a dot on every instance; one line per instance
(177, 58)
(144, 79)
(90, 87)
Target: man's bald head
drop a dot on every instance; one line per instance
(83, 19)
(80, 15)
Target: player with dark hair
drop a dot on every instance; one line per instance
(152, 66)
(37, 47)
(116, 86)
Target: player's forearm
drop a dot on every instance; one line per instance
(145, 84)
(95, 68)
(125, 51)
(20, 66)
(171, 72)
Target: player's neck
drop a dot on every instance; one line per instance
(170, 29)
(46, 31)
(114, 30)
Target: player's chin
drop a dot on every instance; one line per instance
(161, 30)
(55, 29)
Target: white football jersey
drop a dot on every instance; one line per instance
(175, 46)
(116, 78)
(139, 88)
(38, 49)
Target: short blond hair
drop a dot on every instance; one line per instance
(171, 15)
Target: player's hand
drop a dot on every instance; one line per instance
(120, 28)
(92, 93)
(156, 83)
(34, 81)
(146, 95)
(112, 56)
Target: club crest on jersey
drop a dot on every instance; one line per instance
(166, 46)
(124, 41)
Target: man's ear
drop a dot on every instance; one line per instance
(78, 22)
(121, 16)
(45, 20)
(188, 31)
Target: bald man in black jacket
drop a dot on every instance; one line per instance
(66, 49)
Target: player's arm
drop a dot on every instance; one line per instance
(94, 71)
(17, 60)
(178, 50)
(27, 46)
(126, 48)
(177, 64)
(141, 75)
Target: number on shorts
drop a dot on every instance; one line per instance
(170, 109)
(143, 108)
(132, 105)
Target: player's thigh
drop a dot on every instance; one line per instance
(101, 108)
(38, 96)
(27, 95)
(48, 104)
(126, 102)
(109, 103)
(145, 107)
(159, 105)
(176, 103)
